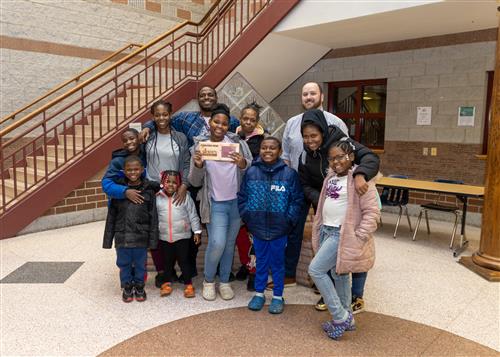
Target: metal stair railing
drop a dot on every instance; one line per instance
(35, 148)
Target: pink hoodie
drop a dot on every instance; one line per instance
(356, 246)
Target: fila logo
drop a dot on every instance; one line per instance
(278, 188)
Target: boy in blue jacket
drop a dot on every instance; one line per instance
(270, 201)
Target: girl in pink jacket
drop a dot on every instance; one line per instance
(342, 237)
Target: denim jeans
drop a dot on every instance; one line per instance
(128, 257)
(338, 297)
(294, 244)
(222, 231)
(358, 284)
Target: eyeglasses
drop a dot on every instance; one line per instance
(338, 158)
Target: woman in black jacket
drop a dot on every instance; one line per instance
(313, 163)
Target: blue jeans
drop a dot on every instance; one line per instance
(128, 257)
(294, 245)
(222, 231)
(338, 297)
(270, 254)
(358, 284)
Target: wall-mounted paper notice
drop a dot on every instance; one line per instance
(218, 151)
(466, 116)
(424, 115)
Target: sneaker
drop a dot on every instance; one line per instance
(276, 306)
(336, 330)
(289, 282)
(166, 289)
(358, 305)
(209, 291)
(328, 326)
(159, 280)
(225, 291)
(242, 273)
(139, 293)
(251, 282)
(128, 293)
(257, 303)
(320, 305)
(189, 291)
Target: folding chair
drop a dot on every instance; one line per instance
(397, 197)
(441, 206)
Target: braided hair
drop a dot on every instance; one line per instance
(164, 175)
(343, 144)
(168, 107)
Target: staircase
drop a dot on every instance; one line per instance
(52, 150)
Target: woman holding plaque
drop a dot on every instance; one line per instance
(218, 163)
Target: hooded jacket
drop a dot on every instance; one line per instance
(270, 199)
(356, 250)
(253, 140)
(115, 172)
(199, 177)
(313, 165)
(176, 222)
(133, 225)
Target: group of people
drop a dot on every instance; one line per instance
(162, 190)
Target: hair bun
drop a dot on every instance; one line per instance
(221, 108)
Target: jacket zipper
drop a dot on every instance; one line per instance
(170, 218)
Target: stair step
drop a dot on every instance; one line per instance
(8, 187)
(30, 174)
(40, 162)
(101, 121)
(51, 149)
(78, 139)
(98, 132)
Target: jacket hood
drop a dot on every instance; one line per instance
(331, 133)
(278, 165)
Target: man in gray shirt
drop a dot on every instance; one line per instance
(293, 145)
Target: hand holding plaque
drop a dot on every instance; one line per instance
(218, 151)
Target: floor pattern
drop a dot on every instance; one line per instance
(296, 332)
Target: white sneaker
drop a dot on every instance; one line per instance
(209, 291)
(226, 292)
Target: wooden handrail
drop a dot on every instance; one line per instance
(62, 85)
(151, 43)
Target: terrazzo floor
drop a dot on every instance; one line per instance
(416, 281)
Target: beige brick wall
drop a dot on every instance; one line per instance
(90, 26)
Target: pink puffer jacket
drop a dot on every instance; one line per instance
(356, 246)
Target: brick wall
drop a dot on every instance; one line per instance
(87, 196)
(192, 10)
(441, 77)
(45, 43)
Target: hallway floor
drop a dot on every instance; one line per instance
(414, 289)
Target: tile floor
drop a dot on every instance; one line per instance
(418, 281)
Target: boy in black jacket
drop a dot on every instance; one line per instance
(134, 227)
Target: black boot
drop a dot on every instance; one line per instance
(251, 282)
(139, 293)
(242, 273)
(128, 293)
(159, 280)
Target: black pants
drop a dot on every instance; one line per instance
(179, 251)
(193, 248)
